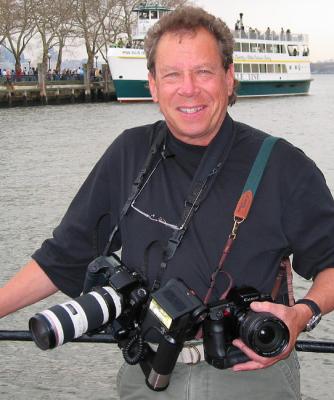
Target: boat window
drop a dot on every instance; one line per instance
(277, 48)
(254, 48)
(306, 51)
(154, 14)
(237, 67)
(262, 48)
(246, 68)
(269, 48)
(293, 50)
(270, 68)
(278, 68)
(284, 70)
(237, 46)
(263, 68)
(255, 68)
(245, 47)
(144, 15)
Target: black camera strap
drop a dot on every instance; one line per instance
(211, 163)
(157, 150)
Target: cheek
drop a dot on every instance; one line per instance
(166, 93)
(220, 93)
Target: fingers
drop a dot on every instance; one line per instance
(248, 366)
(285, 313)
(249, 352)
(256, 361)
(266, 306)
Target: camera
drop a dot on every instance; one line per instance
(113, 297)
(175, 313)
(232, 318)
(152, 327)
(110, 291)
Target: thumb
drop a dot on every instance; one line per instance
(259, 306)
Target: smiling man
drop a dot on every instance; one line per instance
(169, 191)
(191, 85)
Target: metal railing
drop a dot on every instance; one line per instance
(270, 35)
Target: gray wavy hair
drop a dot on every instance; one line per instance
(189, 18)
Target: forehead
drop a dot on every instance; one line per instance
(183, 44)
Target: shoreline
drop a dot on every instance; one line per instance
(54, 92)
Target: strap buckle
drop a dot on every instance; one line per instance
(191, 354)
(237, 222)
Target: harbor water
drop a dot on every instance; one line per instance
(46, 152)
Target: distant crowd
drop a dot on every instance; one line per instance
(31, 74)
(240, 31)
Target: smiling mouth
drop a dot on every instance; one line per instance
(190, 110)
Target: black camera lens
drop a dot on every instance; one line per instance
(264, 333)
(65, 322)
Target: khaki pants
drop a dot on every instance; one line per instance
(204, 382)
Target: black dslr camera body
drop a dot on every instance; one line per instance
(232, 318)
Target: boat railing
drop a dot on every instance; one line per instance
(248, 34)
(285, 36)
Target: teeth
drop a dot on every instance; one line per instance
(190, 110)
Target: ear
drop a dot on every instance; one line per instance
(230, 79)
(153, 87)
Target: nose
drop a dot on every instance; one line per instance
(188, 85)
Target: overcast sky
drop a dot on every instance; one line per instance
(315, 18)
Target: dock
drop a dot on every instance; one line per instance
(45, 89)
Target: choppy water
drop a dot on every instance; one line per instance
(45, 153)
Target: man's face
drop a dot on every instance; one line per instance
(191, 85)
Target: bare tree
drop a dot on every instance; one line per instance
(91, 17)
(119, 22)
(17, 27)
(53, 20)
(128, 19)
(111, 30)
(2, 21)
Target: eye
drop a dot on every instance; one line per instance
(171, 75)
(204, 72)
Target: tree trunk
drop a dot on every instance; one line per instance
(60, 56)
(17, 63)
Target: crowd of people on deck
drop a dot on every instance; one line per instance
(251, 33)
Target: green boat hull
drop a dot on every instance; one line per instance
(127, 90)
(273, 88)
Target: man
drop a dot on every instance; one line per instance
(191, 76)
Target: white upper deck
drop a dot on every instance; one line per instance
(147, 15)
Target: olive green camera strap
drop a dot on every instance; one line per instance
(244, 205)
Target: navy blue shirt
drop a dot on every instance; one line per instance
(293, 213)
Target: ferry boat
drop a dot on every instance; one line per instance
(266, 63)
